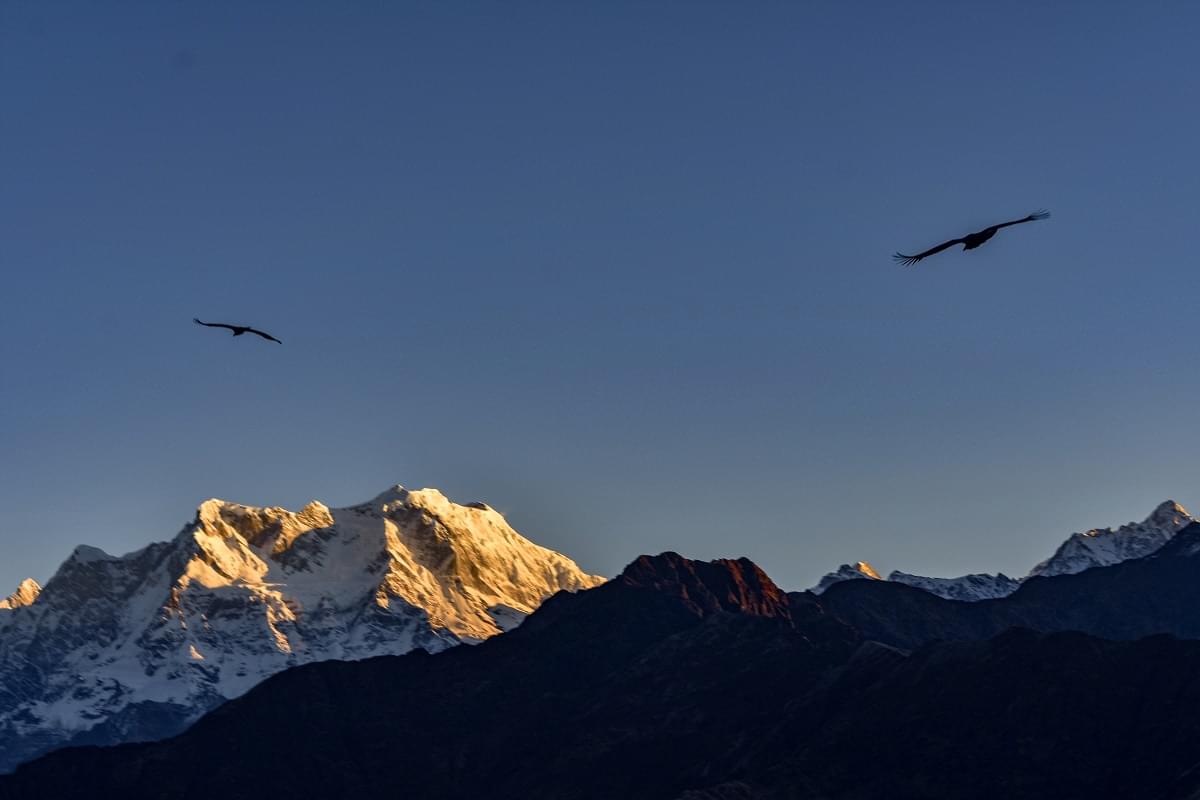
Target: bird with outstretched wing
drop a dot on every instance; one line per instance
(971, 240)
(238, 330)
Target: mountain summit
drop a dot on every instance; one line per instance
(1099, 547)
(26, 593)
(859, 570)
(709, 587)
(138, 646)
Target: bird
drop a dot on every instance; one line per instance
(971, 240)
(238, 330)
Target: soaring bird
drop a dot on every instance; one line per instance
(971, 240)
(238, 330)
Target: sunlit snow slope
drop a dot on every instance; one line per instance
(132, 647)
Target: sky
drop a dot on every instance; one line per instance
(621, 270)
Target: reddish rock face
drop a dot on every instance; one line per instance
(712, 586)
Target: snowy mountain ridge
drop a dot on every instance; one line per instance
(1097, 547)
(859, 570)
(138, 646)
(979, 586)
(1103, 546)
(26, 593)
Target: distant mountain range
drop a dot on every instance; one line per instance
(682, 680)
(137, 647)
(1098, 547)
(678, 680)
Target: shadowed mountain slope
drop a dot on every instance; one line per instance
(681, 679)
(1156, 594)
(561, 707)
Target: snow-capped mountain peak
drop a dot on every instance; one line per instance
(1100, 547)
(86, 553)
(1094, 548)
(243, 592)
(859, 570)
(27, 591)
(1170, 514)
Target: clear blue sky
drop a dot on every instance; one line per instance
(621, 270)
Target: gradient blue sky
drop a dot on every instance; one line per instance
(621, 270)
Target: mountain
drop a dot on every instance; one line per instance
(1098, 547)
(681, 680)
(968, 588)
(26, 593)
(859, 570)
(137, 647)
(633, 689)
(1060, 716)
(1141, 597)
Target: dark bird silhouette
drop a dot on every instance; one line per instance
(971, 240)
(238, 330)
